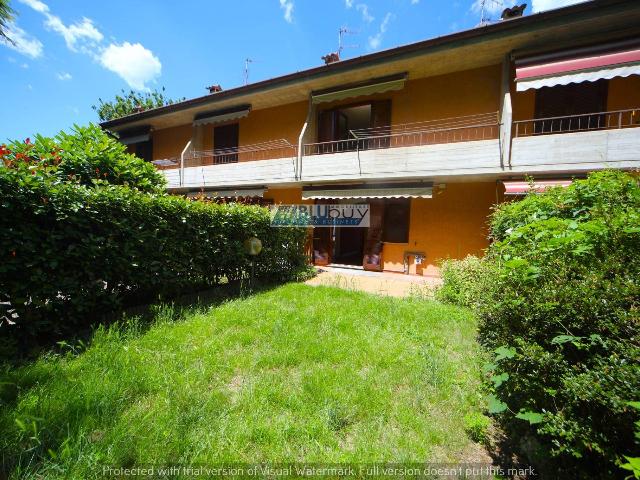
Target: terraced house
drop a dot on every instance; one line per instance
(431, 135)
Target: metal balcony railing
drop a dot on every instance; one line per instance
(449, 130)
(577, 123)
(273, 149)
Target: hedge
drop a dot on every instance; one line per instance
(70, 252)
(561, 317)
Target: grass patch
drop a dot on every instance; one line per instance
(298, 373)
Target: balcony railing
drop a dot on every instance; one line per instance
(450, 130)
(260, 151)
(578, 123)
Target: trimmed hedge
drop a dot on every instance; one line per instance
(70, 252)
(561, 316)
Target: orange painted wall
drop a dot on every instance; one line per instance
(452, 95)
(169, 142)
(452, 224)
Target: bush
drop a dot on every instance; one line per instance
(464, 281)
(70, 252)
(562, 319)
(87, 156)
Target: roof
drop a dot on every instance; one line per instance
(512, 33)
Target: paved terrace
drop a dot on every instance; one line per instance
(380, 283)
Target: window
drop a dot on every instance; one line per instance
(225, 143)
(396, 220)
(144, 150)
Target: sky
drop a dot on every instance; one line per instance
(70, 53)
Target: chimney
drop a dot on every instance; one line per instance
(331, 58)
(513, 12)
(214, 88)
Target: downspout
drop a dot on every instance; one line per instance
(184, 150)
(298, 167)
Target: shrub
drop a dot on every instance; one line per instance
(86, 156)
(70, 252)
(464, 281)
(562, 318)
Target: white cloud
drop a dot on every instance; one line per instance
(23, 42)
(540, 5)
(287, 6)
(364, 10)
(414, 2)
(37, 5)
(135, 64)
(348, 3)
(80, 35)
(376, 40)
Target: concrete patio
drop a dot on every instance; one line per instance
(380, 283)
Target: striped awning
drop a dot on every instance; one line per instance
(379, 85)
(409, 192)
(521, 187)
(222, 116)
(582, 68)
(249, 192)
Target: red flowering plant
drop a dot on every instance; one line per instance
(87, 156)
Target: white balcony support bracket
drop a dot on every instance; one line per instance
(184, 151)
(298, 166)
(506, 114)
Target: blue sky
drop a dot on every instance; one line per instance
(70, 53)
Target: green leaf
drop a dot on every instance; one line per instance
(495, 405)
(504, 352)
(531, 417)
(499, 379)
(634, 404)
(560, 339)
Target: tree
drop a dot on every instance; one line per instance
(6, 16)
(131, 102)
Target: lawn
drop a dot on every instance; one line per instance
(297, 373)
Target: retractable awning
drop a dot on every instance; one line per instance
(363, 192)
(520, 187)
(249, 192)
(379, 85)
(135, 135)
(222, 116)
(584, 67)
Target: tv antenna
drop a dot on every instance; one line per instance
(247, 62)
(341, 33)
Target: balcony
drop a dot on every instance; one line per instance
(577, 142)
(447, 146)
(260, 163)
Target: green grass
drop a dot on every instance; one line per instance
(298, 373)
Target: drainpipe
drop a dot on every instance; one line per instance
(184, 150)
(298, 166)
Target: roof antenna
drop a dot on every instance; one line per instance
(341, 33)
(247, 61)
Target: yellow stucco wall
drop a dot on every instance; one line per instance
(452, 224)
(169, 142)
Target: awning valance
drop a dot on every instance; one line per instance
(222, 116)
(135, 135)
(357, 193)
(379, 85)
(520, 187)
(249, 192)
(588, 68)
